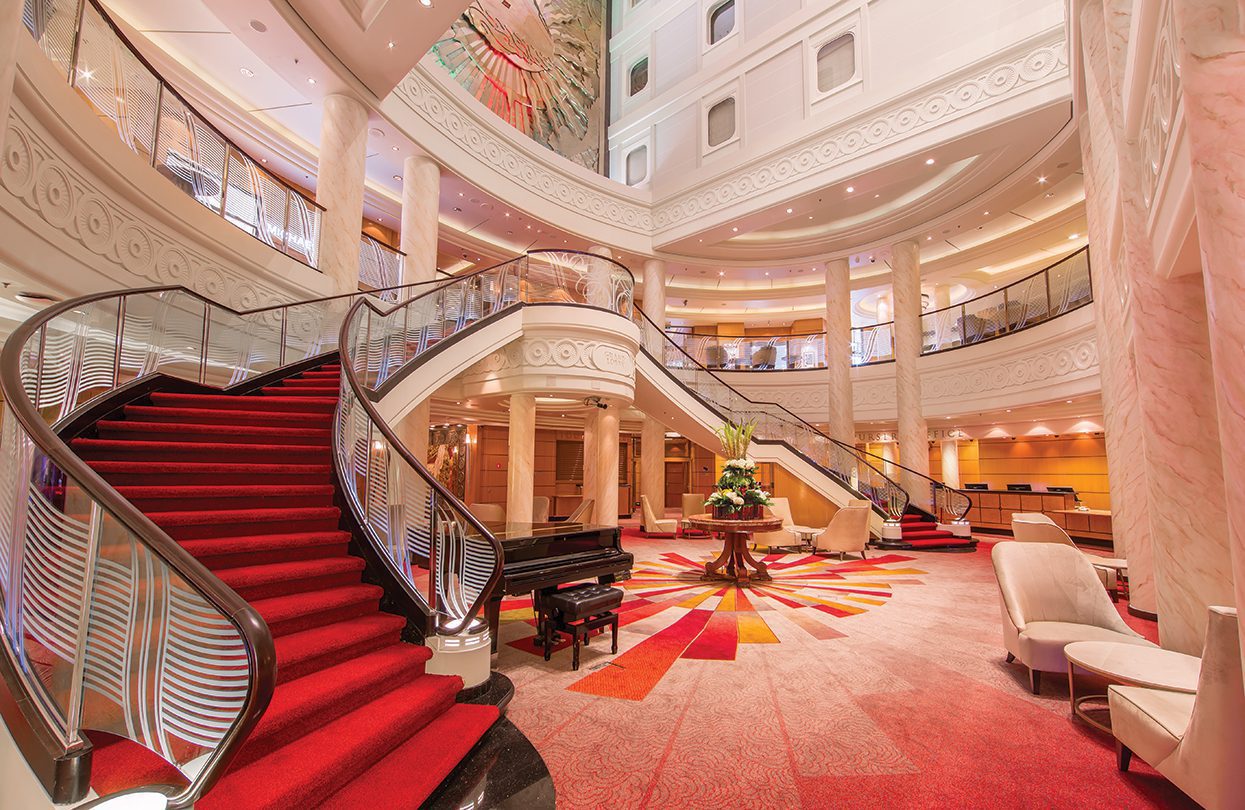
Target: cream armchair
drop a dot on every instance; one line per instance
(488, 512)
(583, 512)
(781, 508)
(540, 509)
(1050, 597)
(693, 504)
(1035, 527)
(650, 524)
(1196, 741)
(848, 532)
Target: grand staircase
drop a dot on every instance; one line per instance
(920, 531)
(244, 484)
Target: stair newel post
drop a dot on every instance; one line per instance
(120, 341)
(434, 558)
(73, 719)
(284, 326)
(203, 349)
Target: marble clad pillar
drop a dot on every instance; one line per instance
(839, 350)
(653, 463)
(592, 417)
(598, 282)
(11, 28)
(421, 198)
(913, 432)
(951, 463)
(607, 465)
(339, 188)
(1175, 383)
(1212, 58)
(1125, 445)
(521, 461)
(654, 305)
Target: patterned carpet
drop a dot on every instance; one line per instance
(877, 684)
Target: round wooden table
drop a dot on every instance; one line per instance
(1128, 665)
(735, 558)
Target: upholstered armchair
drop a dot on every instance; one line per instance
(781, 538)
(693, 504)
(1050, 597)
(583, 512)
(653, 527)
(848, 532)
(1035, 527)
(540, 509)
(488, 512)
(1196, 741)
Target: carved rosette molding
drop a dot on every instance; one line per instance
(555, 366)
(66, 199)
(1158, 119)
(1044, 62)
(435, 103)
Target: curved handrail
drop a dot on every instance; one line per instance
(887, 495)
(1062, 287)
(447, 559)
(110, 623)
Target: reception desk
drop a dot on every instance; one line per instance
(993, 508)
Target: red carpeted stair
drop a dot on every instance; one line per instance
(921, 532)
(244, 483)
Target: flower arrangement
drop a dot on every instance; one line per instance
(738, 495)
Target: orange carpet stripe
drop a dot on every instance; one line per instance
(754, 630)
(694, 601)
(864, 600)
(718, 641)
(632, 675)
(813, 627)
(728, 600)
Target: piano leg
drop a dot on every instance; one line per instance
(492, 610)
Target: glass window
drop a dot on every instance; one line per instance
(639, 77)
(721, 21)
(722, 121)
(836, 62)
(637, 166)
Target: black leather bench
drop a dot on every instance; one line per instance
(577, 611)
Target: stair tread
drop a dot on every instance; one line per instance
(152, 492)
(281, 608)
(298, 773)
(305, 644)
(192, 414)
(410, 773)
(247, 403)
(218, 546)
(250, 576)
(202, 428)
(201, 517)
(184, 467)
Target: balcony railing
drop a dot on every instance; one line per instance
(380, 266)
(1053, 291)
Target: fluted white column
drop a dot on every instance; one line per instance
(339, 188)
(598, 281)
(607, 466)
(421, 198)
(653, 463)
(951, 463)
(11, 29)
(654, 305)
(913, 432)
(839, 349)
(592, 418)
(521, 461)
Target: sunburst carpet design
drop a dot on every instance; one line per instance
(713, 618)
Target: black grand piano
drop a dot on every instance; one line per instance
(545, 555)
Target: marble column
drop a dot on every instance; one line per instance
(839, 350)
(413, 431)
(592, 417)
(1130, 510)
(654, 304)
(598, 292)
(339, 188)
(1212, 60)
(11, 28)
(951, 463)
(1182, 451)
(521, 461)
(913, 432)
(653, 463)
(607, 466)
(421, 198)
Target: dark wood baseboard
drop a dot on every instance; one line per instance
(1142, 614)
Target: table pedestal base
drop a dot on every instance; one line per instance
(734, 561)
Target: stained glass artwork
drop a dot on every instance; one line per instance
(538, 64)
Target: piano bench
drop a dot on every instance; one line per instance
(578, 611)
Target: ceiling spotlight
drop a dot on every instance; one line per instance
(790, 210)
(850, 189)
(721, 272)
(507, 213)
(390, 45)
(734, 230)
(810, 216)
(1074, 236)
(929, 161)
(263, 160)
(985, 213)
(1042, 179)
(311, 80)
(426, 3)
(247, 72)
(929, 239)
(397, 177)
(394, 148)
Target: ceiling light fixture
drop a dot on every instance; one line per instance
(790, 210)
(394, 148)
(426, 3)
(247, 72)
(929, 161)
(263, 160)
(1074, 236)
(1042, 179)
(734, 230)
(850, 189)
(390, 45)
(397, 177)
(311, 80)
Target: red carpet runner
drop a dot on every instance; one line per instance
(244, 483)
(919, 532)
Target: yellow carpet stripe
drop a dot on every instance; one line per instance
(754, 630)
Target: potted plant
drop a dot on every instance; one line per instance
(738, 495)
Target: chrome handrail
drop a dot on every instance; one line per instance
(447, 559)
(107, 622)
(1056, 290)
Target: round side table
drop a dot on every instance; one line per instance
(1128, 665)
(735, 560)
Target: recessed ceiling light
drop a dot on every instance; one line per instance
(507, 213)
(790, 210)
(929, 239)
(258, 26)
(394, 148)
(734, 230)
(1075, 236)
(247, 72)
(985, 213)
(311, 80)
(1050, 194)
(767, 272)
(875, 196)
(397, 177)
(721, 272)
(426, 3)
(850, 189)
(263, 160)
(929, 161)
(1042, 179)
(390, 45)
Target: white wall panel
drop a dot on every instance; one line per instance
(774, 93)
(676, 50)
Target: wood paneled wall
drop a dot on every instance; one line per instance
(1070, 461)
